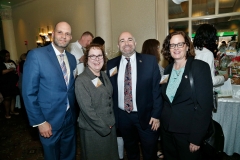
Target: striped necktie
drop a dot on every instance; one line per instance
(64, 68)
(128, 104)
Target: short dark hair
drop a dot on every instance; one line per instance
(87, 33)
(151, 47)
(103, 53)
(166, 46)
(206, 36)
(98, 40)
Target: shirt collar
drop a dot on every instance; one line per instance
(56, 51)
(132, 57)
(79, 45)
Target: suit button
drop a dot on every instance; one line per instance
(110, 105)
(110, 112)
(110, 97)
(65, 103)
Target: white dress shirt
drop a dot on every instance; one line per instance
(66, 63)
(121, 77)
(77, 50)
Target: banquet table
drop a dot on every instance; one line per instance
(228, 116)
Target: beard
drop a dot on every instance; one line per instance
(55, 41)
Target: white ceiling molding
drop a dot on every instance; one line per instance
(178, 1)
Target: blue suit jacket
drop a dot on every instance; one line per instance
(44, 89)
(148, 97)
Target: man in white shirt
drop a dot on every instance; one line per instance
(136, 97)
(77, 49)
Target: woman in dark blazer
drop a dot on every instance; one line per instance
(183, 126)
(96, 119)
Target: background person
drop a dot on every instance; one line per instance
(77, 49)
(183, 126)
(96, 118)
(152, 47)
(206, 36)
(98, 40)
(136, 95)
(48, 94)
(8, 82)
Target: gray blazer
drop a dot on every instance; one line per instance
(96, 105)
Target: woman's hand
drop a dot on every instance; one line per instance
(193, 147)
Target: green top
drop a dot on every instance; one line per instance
(174, 82)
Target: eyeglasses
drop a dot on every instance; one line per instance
(179, 45)
(94, 57)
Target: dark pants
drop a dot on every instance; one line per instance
(62, 144)
(176, 146)
(132, 132)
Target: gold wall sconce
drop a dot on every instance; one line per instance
(45, 37)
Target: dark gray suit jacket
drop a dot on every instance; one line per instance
(95, 103)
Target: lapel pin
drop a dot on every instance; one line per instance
(140, 61)
(185, 76)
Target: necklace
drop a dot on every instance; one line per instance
(178, 72)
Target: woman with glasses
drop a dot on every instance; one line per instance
(96, 119)
(184, 125)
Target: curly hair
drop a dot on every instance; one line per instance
(151, 47)
(95, 46)
(206, 36)
(166, 46)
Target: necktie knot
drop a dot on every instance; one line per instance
(61, 56)
(128, 59)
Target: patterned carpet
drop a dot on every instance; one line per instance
(19, 141)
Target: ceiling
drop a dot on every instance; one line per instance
(12, 2)
(200, 8)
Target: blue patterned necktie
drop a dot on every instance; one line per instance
(64, 68)
(128, 104)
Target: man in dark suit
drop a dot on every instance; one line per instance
(48, 93)
(136, 94)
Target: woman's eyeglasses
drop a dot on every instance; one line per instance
(179, 45)
(94, 57)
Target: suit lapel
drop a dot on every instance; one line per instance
(140, 67)
(55, 62)
(108, 84)
(102, 88)
(115, 77)
(71, 78)
(168, 71)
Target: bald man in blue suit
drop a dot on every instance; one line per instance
(49, 97)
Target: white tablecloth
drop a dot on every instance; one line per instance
(228, 116)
